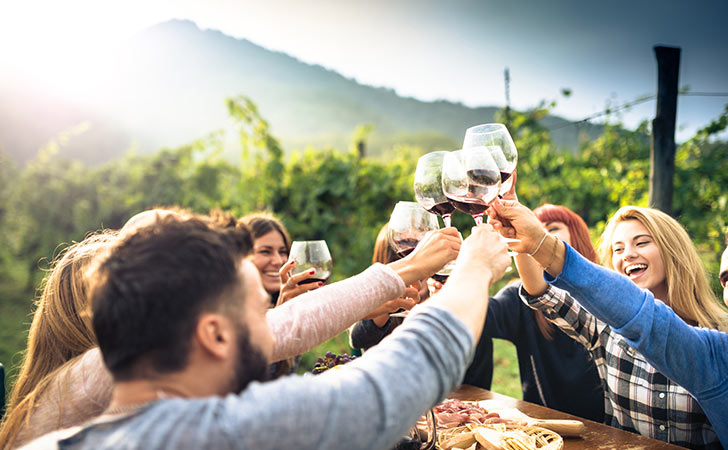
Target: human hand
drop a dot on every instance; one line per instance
(484, 251)
(435, 250)
(513, 220)
(433, 286)
(290, 285)
(380, 315)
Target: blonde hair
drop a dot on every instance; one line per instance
(60, 332)
(688, 291)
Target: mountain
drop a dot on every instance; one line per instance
(167, 85)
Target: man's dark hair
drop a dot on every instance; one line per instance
(150, 289)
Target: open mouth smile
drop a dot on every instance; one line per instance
(635, 270)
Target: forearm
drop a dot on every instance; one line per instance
(466, 296)
(610, 296)
(667, 342)
(428, 354)
(531, 274)
(319, 315)
(562, 310)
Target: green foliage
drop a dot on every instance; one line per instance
(325, 194)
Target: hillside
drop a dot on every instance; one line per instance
(167, 86)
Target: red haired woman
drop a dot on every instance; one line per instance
(555, 370)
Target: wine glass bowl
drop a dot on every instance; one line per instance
(470, 180)
(311, 255)
(407, 225)
(495, 135)
(428, 186)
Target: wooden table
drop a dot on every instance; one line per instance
(596, 436)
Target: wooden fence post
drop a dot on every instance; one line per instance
(662, 150)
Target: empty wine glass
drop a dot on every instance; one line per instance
(428, 186)
(311, 255)
(470, 180)
(495, 135)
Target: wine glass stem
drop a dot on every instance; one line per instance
(448, 222)
(478, 219)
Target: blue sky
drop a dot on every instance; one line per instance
(454, 50)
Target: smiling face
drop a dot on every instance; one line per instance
(269, 255)
(636, 255)
(724, 275)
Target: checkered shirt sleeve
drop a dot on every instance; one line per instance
(638, 398)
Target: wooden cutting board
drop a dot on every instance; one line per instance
(562, 426)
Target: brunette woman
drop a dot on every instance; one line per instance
(271, 246)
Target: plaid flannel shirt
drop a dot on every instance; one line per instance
(638, 398)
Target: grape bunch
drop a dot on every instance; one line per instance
(331, 360)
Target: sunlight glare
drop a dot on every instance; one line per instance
(64, 45)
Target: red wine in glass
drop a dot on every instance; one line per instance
(442, 209)
(474, 208)
(484, 184)
(428, 186)
(314, 280)
(404, 247)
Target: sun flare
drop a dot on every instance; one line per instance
(62, 45)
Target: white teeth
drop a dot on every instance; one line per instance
(632, 267)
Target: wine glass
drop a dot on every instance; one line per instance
(495, 135)
(428, 192)
(470, 180)
(311, 255)
(428, 186)
(408, 225)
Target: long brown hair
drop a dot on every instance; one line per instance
(60, 331)
(580, 241)
(383, 252)
(688, 291)
(261, 224)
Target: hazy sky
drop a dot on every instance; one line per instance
(454, 50)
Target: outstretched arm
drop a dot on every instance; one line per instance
(696, 358)
(319, 315)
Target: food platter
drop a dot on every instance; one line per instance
(464, 425)
(499, 437)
